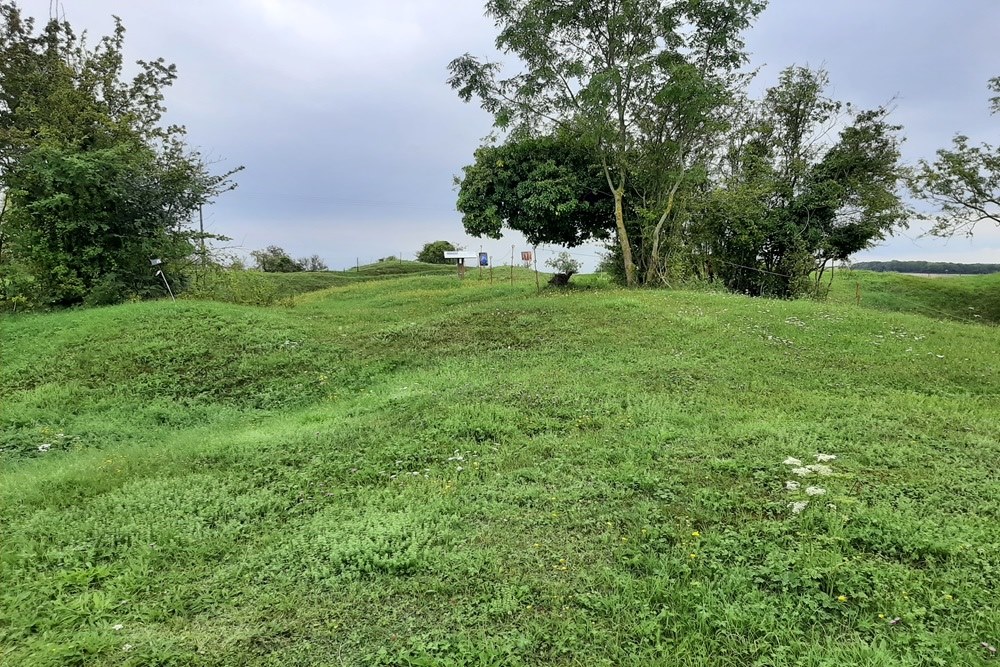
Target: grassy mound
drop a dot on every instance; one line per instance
(424, 471)
(293, 284)
(255, 288)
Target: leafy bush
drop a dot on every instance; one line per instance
(240, 286)
(274, 259)
(565, 267)
(433, 252)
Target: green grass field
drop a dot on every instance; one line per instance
(294, 284)
(422, 471)
(972, 299)
(256, 288)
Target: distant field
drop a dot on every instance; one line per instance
(425, 471)
(939, 275)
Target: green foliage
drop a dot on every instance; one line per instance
(419, 470)
(549, 188)
(313, 263)
(643, 82)
(433, 252)
(73, 241)
(565, 267)
(793, 203)
(564, 263)
(273, 259)
(963, 183)
(94, 186)
(239, 286)
(17, 284)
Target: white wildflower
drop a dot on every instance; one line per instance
(823, 458)
(459, 469)
(802, 472)
(799, 506)
(792, 462)
(44, 448)
(118, 627)
(815, 491)
(127, 648)
(820, 469)
(792, 486)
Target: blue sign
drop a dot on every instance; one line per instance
(484, 259)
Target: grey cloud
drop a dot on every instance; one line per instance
(350, 136)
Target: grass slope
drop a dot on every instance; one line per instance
(428, 472)
(972, 299)
(293, 284)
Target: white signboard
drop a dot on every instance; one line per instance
(460, 254)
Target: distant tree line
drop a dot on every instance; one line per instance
(927, 267)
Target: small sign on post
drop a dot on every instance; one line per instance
(484, 259)
(460, 256)
(158, 264)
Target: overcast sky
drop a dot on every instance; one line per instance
(350, 136)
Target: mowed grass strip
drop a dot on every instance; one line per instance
(428, 472)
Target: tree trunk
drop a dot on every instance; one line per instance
(654, 259)
(619, 193)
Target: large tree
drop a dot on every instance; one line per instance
(793, 199)
(963, 183)
(640, 80)
(549, 188)
(95, 183)
(274, 259)
(433, 252)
